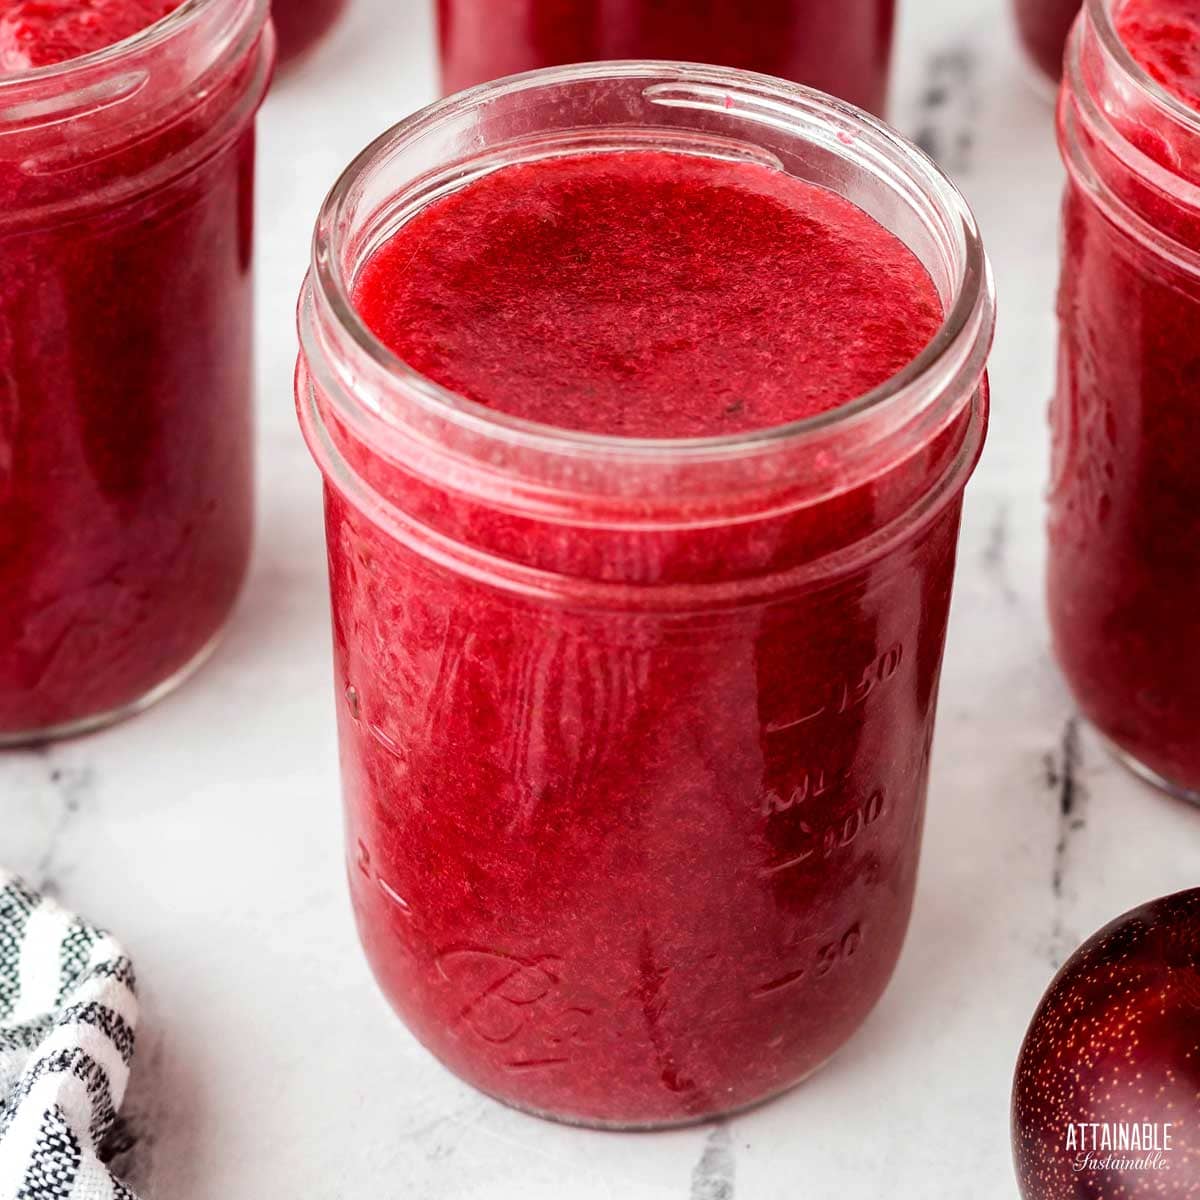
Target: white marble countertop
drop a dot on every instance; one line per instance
(206, 833)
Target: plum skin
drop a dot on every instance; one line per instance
(1116, 1039)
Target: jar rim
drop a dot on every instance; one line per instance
(89, 110)
(143, 39)
(971, 313)
(1100, 13)
(1096, 59)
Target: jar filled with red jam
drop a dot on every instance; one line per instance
(301, 24)
(843, 48)
(644, 397)
(1043, 26)
(1124, 572)
(126, 215)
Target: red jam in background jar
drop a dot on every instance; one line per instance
(125, 429)
(843, 48)
(636, 674)
(1164, 37)
(1124, 579)
(1043, 26)
(41, 33)
(301, 24)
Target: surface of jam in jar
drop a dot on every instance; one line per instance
(41, 33)
(623, 854)
(844, 48)
(1164, 37)
(125, 426)
(538, 293)
(1124, 576)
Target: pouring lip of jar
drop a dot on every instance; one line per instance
(1097, 56)
(52, 117)
(527, 467)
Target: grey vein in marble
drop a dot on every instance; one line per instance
(73, 786)
(713, 1178)
(1064, 780)
(948, 108)
(995, 555)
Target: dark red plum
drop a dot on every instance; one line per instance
(1106, 1100)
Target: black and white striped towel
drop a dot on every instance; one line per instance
(67, 1018)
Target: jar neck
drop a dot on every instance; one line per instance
(111, 125)
(697, 555)
(409, 423)
(1128, 143)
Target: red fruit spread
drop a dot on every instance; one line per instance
(39, 33)
(843, 48)
(1044, 26)
(1125, 506)
(619, 852)
(1164, 37)
(649, 295)
(125, 432)
(301, 24)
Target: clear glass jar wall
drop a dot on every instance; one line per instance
(635, 735)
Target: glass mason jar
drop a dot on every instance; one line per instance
(635, 733)
(126, 216)
(1043, 26)
(1124, 521)
(301, 24)
(844, 49)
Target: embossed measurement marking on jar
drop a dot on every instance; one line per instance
(393, 895)
(362, 860)
(384, 740)
(826, 840)
(353, 700)
(804, 785)
(849, 692)
(825, 960)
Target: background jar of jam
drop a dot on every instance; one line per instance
(126, 248)
(301, 24)
(1042, 26)
(1124, 569)
(843, 48)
